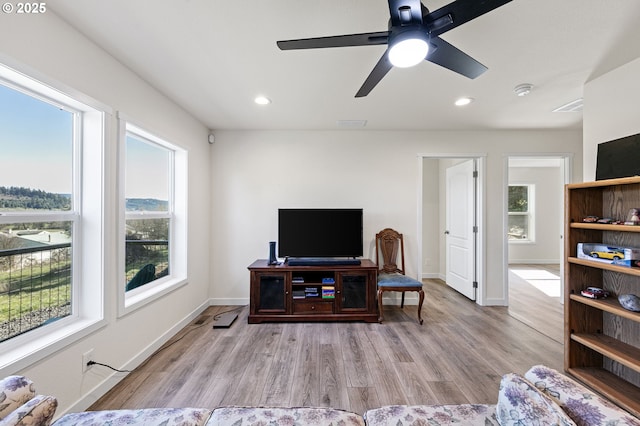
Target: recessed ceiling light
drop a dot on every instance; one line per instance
(523, 89)
(262, 100)
(463, 101)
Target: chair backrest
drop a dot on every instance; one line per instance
(389, 245)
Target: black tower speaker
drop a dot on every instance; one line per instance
(273, 260)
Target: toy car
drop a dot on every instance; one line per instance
(590, 219)
(612, 254)
(594, 293)
(606, 220)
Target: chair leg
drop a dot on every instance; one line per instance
(402, 301)
(380, 315)
(421, 293)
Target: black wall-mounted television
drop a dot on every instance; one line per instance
(322, 233)
(618, 158)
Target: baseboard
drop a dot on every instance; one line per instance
(228, 302)
(114, 378)
(534, 261)
(430, 275)
(495, 302)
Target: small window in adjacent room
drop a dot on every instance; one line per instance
(521, 222)
(154, 233)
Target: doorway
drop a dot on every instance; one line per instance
(534, 228)
(443, 233)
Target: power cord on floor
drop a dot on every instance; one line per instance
(166, 346)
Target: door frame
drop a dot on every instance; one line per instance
(567, 176)
(480, 206)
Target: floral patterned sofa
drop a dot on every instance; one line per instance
(541, 397)
(20, 405)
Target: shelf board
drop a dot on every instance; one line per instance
(605, 227)
(610, 347)
(608, 305)
(604, 182)
(619, 391)
(606, 266)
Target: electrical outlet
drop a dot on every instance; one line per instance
(86, 357)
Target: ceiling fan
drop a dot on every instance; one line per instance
(413, 32)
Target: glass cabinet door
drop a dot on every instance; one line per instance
(272, 293)
(353, 291)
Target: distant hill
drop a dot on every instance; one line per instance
(19, 198)
(32, 199)
(146, 204)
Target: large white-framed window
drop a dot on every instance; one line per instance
(521, 213)
(153, 230)
(51, 218)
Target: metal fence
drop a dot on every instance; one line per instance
(35, 282)
(35, 287)
(146, 253)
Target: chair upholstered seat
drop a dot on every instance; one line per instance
(398, 280)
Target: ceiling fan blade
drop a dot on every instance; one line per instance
(448, 56)
(379, 71)
(457, 13)
(364, 39)
(404, 12)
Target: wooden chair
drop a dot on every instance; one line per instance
(390, 245)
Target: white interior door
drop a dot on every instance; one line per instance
(460, 223)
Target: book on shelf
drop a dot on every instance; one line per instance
(328, 292)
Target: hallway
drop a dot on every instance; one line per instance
(534, 298)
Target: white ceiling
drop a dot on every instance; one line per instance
(213, 57)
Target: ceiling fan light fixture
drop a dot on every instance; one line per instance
(408, 48)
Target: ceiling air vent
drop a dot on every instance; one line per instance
(352, 124)
(573, 106)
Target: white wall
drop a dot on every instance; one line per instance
(548, 212)
(47, 45)
(256, 172)
(431, 227)
(610, 111)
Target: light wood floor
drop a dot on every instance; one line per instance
(532, 306)
(458, 355)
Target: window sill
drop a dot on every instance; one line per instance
(523, 241)
(20, 352)
(142, 296)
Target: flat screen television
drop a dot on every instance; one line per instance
(321, 233)
(618, 158)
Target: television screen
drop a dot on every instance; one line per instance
(320, 232)
(618, 158)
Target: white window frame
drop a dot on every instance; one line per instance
(530, 213)
(87, 215)
(129, 301)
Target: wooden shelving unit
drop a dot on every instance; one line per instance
(602, 339)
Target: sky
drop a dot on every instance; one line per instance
(36, 150)
(35, 143)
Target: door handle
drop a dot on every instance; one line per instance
(446, 232)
